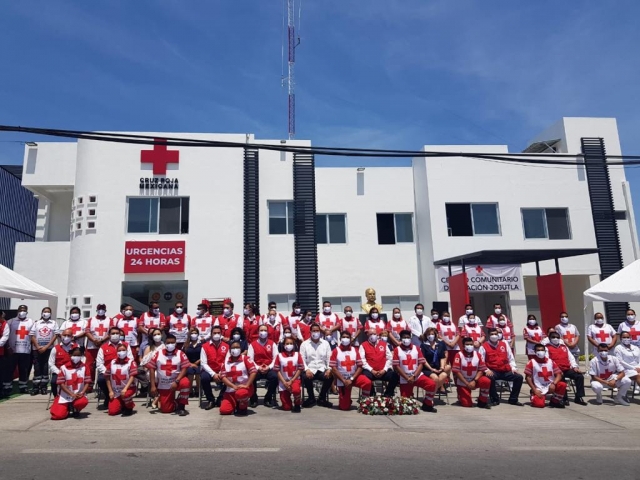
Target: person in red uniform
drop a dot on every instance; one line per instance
(544, 377)
(346, 365)
(107, 353)
(294, 317)
(226, 319)
(178, 324)
(273, 322)
(374, 322)
(304, 326)
(263, 353)
(249, 322)
(351, 324)
(74, 380)
(60, 355)
(97, 332)
(121, 377)
(170, 365)
(212, 357)
(501, 365)
(564, 359)
(533, 335)
(238, 374)
(377, 362)
(409, 362)
(289, 366)
(148, 320)
(468, 369)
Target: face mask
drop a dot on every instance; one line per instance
(236, 337)
(272, 318)
(406, 342)
(179, 310)
(326, 310)
(156, 311)
(564, 320)
(494, 338)
(498, 311)
(502, 323)
(446, 319)
(541, 354)
(263, 334)
(245, 312)
(226, 312)
(631, 318)
(532, 323)
(626, 341)
(194, 337)
(348, 314)
(128, 313)
(555, 341)
(122, 354)
(468, 348)
(157, 338)
(599, 321)
(469, 312)
(200, 313)
(22, 315)
(75, 316)
(76, 359)
(315, 335)
(121, 338)
(604, 355)
(431, 338)
(216, 337)
(499, 336)
(419, 311)
(287, 335)
(309, 319)
(373, 338)
(374, 316)
(235, 352)
(66, 340)
(397, 316)
(384, 338)
(288, 347)
(115, 338)
(171, 347)
(46, 315)
(345, 342)
(472, 321)
(102, 312)
(296, 311)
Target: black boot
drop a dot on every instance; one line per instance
(253, 401)
(43, 390)
(181, 411)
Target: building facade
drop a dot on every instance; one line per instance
(116, 225)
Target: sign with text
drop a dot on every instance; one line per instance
(154, 257)
(484, 278)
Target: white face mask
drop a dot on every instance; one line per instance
(564, 320)
(631, 318)
(472, 321)
(121, 338)
(626, 341)
(171, 347)
(296, 311)
(498, 311)
(541, 354)
(66, 340)
(235, 352)
(272, 318)
(431, 338)
(419, 311)
(237, 337)
(128, 313)
(122, 354)
(226, 312)
(156, 311)
(115, 338)
(22, 315)
(288, 347)
(245, 312)
(599, 321)
(287, 335)
(46, 315)
(531, 323)
(500, 336)
(555, 341)
(179, 310)
(200, 313)
(262, 334)
(397, 316)
(315, 335)
(102, 313)
(216, 337)
(406, 342)
(75, 316)
(157, 338)
(374, 316)
(345, 342)
(502, 323)
(348, 314)
(604, 355)
(446, 319)
(373, 338)
(194, 336)
(326, 310)
(468, 348)
(469, 312)
(494, 338)
(76, 359)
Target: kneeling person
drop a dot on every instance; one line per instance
(121, 382)
(469, 369)
(289, 366)
(408, 362)
(346, 366)
(170, 366)
(544, 376)
(74, 379)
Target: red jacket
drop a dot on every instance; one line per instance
(560, 355)
(375, 355)
(215, 354)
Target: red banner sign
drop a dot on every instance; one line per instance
(154, 257)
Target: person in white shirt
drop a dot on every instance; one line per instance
(464, 319)
(606, 370)
(569, 334)
(419, 324)
(600, 332)
(316, 354)
(629, 356)
(43, 337)
(20, 344)
(632, 326)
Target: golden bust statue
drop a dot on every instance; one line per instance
(370, 293)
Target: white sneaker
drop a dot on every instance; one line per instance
(605, 389)
(622, 401)
(636, 391)
(615, 390)
(599, 399)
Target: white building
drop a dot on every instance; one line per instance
(383, 227)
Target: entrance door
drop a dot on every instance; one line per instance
(483, 303)
(166, 293)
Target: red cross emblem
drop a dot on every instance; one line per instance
(536, 337)
(127, 329)
(327, 322)
(159, 157)
(74, 381)
(179, 326)
(479, 269)
(348, 364)
(168, 368)
(75, 328)
(44, 331)
(606, 374)
(449, 333)
(22, 332)
(350, 329)
(234, 374)
(289, 369)
(203, 325)
(410, 363)
(470, 369)
(152, 323)
(602, 336)
(634, 334)
(568, 336)
(397, 328)
(101, 330)
(474, 334)
(118, 377)
(545, 374)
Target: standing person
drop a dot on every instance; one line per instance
(449, 334)
(74, 380)
(506, 332)
(60, 355)
(569, 334)
(248, 323)
(121, 383)
(148, 320)
(178, 325)
(289, 366)
(409, 362)
(564, 359)
(606, 370)
(273, 322)
(43, 337)
(238, 374)
(294, 317)
(464, 319)
(533, 335)
(203, 321)
(107, 353)
(418, 324)
(351, 324)
(632, 326)
(629, 357)
(346, 366)
(435, 316)
(193, 350)
(212, 358)
(377, 362)
(469, 370)
(129, 326)
(330, 324)
(97, 332)
(434, 352)
(501, 365)
(601, 332)
(263, 353)
(374, 322)
(78, 326)
(473, 329)
(170, 366)
(20, 344)
(316, 353)
(494, 319)
(227, 317)
(304, 326)
(395, 325)
(4, 356)
(543, 376)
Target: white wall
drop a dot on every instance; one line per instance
(49, 164)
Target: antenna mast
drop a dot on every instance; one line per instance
(293, 42)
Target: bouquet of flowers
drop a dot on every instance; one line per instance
(380, 405)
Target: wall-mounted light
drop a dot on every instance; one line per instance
(31, 144)
(361, 169)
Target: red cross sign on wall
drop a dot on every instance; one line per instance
(159, 157)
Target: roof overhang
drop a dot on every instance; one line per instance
(510, 257)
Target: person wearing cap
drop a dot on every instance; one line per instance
(179, 324)
(97, 332)
(20, 344)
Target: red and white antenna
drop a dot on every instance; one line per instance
(293, 41)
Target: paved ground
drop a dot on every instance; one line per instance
(577, 442)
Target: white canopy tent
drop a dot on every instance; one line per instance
(14, 285)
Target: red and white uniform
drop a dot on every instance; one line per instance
(43, 331)
(533, 335)
(376, 356)
(263, 353)
(292, 321)
(287, 363)
(494, 321)
(475, 332)
(203, 324)
(99, 328)
(19, 339)
(149, 321)
(212, 356)
(633, 329)
(394, 327)
(77, 327)
(562, 356)
(350, 324)
(167, 366)
(448, 332)
(407, 360)
(129, 325)
(237, 371)
(498, 357)
(304, 331)
(603, 334)
(118, 375)
(543, 373)
(346, 360)
(568, 333)
(508, 333)
(74, 377)
(249, 325)
(179, 326)
(60, 356)
(224, 322)
(275, 328)
(378, 326)
(107, 353)
(328, 322)
(469, 366)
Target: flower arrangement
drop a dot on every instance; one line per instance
(380, 405)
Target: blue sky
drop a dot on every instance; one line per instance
(371, 73)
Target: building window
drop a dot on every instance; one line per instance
(74, 301)
(331, 228)
(86, 301)
(86, 314)
(405, 303)
(470, 219)
(620, 214)
(281, 218)
(395, 228)
(92, 212)
(168, 215)
(93, 199)
(550, 223)
(338, 303)
(284, 301)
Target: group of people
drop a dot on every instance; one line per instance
(168, 355)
